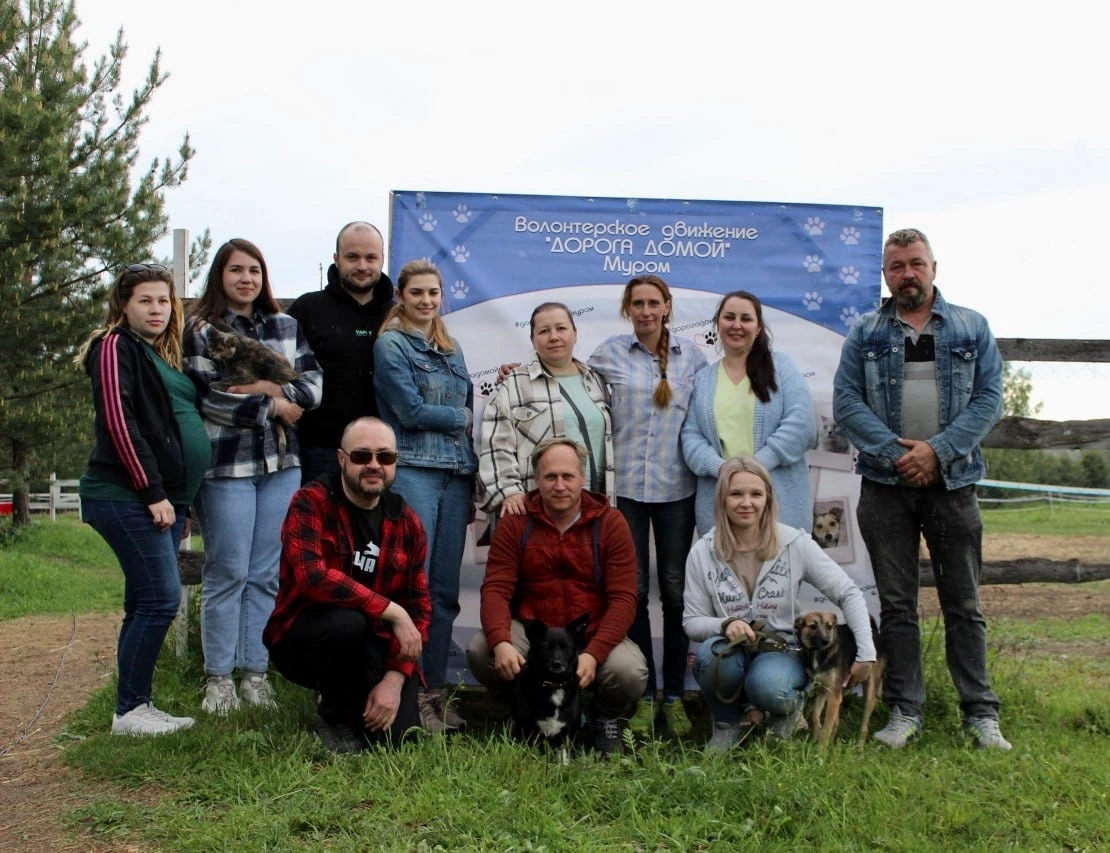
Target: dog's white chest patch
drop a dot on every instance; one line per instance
(551, 726)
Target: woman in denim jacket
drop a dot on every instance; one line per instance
(424, 392)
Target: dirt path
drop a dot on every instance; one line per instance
(50, 664)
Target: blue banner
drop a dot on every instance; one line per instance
(818, 262)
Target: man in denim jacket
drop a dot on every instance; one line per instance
(918, 388)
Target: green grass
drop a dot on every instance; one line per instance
(260, 781)
(1054, 519)
(62, 567)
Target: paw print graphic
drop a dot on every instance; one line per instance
(459, 290)
(461, 254)
(812, 301)
(486, 389)
(709, 338)
(815, 226)
(461, 213)
(427, 222)
(848, 316)
(849, 275)
(813, 263)
(850, 236)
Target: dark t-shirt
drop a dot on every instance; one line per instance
(366, 525)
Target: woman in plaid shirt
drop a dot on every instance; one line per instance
(247, 490)
(650, 374)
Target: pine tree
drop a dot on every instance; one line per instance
(74, 209)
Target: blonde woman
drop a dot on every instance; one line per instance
(424, 392)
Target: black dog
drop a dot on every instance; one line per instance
(546, 706)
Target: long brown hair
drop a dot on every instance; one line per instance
(211, 305)
(168, 343)
(724, 542)
(662, 395)
(760, 364)
(397, 316)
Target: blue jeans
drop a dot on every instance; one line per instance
(441, 500)
(151, 589)
(316, 461)
(240, 519)
(673, 524)
(892, 520)
(773, 682)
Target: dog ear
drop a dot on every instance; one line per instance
(578, 628)
(836, 512)
(534, 630)
(799, 623)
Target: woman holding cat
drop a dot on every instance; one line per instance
(247, 489)
(150, 456)
(753, 402)
(424, 392)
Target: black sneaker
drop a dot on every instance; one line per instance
(607, 735)
(340, 738)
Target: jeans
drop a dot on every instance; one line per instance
(892, 520)
(335, 651)
(151, 589)
(770, 681)
(619, 681)
(316, 461)
(441, 500)
(673, 524)
(240, 519)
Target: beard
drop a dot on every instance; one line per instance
(360, 289)
(911, 299)
(359, 488)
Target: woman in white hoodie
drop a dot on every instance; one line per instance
(748, 568)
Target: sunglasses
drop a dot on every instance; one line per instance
(146, 268)
(364, 457)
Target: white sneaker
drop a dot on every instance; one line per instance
(255, 689)
(899, 729)
(219, 696)
(986, 733)
(148, 720)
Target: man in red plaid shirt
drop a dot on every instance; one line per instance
(352, 607)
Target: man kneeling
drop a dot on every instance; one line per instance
(352, 607)
(570, 553)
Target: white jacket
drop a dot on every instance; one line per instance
(776, 590)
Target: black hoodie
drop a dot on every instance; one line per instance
(341, 333)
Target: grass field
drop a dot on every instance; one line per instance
(260, 781)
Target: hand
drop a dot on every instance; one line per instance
(507, 661)
(513, 505)
(187, 528)
(164, 515)
(587, 670)
(404, 630)
(861, 671)
(919, 464)
(383, 702)
(504, 370)
(286, 412)
(261, 386)
(740, 630)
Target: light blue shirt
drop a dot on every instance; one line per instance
(649, 463)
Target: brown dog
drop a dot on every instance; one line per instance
(829, 650)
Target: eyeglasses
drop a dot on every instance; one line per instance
(146, 268)
(363, 457)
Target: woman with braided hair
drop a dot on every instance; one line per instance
(650, 374)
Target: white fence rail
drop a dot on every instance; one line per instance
(62, 497)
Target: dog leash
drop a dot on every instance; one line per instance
(765, 641)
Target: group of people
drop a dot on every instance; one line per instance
(334, 507)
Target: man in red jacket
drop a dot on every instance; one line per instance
(570, 553)
(352, 607)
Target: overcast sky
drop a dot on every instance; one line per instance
(983, 124)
